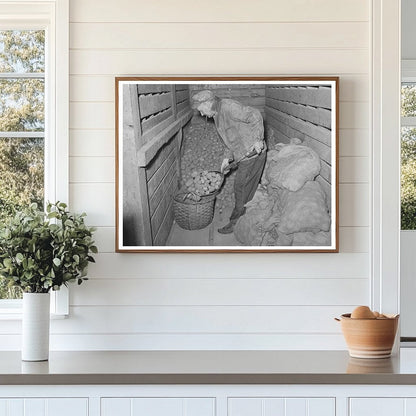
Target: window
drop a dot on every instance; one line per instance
(33, 111)
(22, 124)
(408, 155)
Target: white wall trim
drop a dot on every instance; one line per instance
(60, 190)
(385, 279)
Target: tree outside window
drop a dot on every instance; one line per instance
(22, 124)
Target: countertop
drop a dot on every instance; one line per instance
(207, 367)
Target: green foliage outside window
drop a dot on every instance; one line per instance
(408, 179)
(408, 160)
(408, 104)
(21, 110)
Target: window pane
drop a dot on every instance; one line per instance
(21, 109)
(408, 178)
(22, 51)
(21, 173)
(7, 292)
(21, 182)
(22, 105)
(408, 106)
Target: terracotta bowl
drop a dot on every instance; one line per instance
(369, 338)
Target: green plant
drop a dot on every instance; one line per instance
(408, 195)
(43, 251)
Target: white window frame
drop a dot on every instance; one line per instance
(53, 17)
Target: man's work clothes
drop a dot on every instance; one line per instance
(239, 126)
(247, 179)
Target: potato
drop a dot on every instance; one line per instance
(362, 312)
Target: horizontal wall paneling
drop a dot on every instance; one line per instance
(299, 61)
(343, 265)
(222, 291)
(222, 35)
(185, 11)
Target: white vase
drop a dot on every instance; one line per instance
(35, 326)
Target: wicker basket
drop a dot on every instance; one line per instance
(193, 215)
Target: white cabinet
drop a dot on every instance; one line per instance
(281, 406)
(208, 400)
(382, 406)
(44, 407)
(159, 406)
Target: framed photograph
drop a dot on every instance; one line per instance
(235, 164)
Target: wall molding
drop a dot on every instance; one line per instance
(385, 99)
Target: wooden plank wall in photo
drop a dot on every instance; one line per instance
(303, 112)
(247, 94)
(162, 177)
(159, 111)
(182, 99)
(155, 109)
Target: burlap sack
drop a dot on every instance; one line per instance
(273, 238)
(312, 239)
(249, 229)
(304, 210)
(292, 167)
(271, 156)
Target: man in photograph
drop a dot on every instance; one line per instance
(242, 131)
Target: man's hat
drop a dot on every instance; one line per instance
(202, 96)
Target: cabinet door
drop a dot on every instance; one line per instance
(253, 406)
(146, 406)
(44, 407)
(382, 406)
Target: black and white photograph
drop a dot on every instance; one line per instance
(227, 164)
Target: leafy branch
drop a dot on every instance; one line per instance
(43, 251)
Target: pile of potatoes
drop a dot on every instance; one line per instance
(204, 183)
(203, 149)
(364, 312)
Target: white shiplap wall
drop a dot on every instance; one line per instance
(181, 301)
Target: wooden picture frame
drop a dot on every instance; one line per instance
(161, 137)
